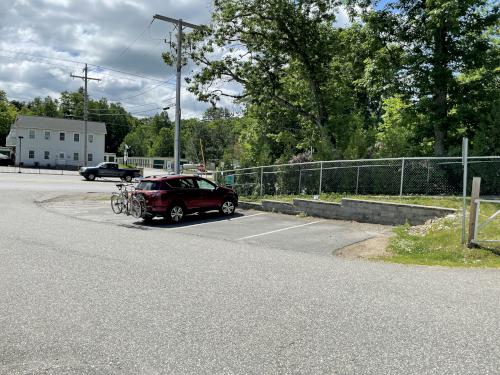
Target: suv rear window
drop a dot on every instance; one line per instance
(185, 183)
(149, 185)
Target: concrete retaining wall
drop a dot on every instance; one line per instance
(281, 207)
(271, 206)
(250, 205)
(371, 211)
(355, 210)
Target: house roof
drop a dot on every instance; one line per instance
(53, 123)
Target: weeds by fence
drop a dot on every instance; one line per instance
(393, 176)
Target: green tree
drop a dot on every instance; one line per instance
(282, 42)
(396, 136)
(8, 114)
(139, 139)
(442, 40)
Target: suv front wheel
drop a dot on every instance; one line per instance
(227, 208)
(176, 213)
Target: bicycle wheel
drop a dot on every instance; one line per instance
(136, 208)
(117, 203)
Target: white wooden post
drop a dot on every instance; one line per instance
(476, 219)
(473, 211)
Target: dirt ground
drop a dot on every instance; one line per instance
(368, 249)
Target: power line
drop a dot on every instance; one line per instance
(64, 67)
(121, 107)
(127, 114)
(142, 93)
(79, 62)
(133, 42)
(70, 68)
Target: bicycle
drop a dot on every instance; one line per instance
(127, 201)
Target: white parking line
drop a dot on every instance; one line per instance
(216, 221)
(279, 230)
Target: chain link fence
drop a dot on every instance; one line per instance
(394, 176)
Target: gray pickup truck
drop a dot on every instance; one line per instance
(109, 170)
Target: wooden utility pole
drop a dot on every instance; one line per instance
(177, 141)
(203, 157)
(85, 110)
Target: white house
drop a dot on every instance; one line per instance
(51, 142)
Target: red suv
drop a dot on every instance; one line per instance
(173, 197)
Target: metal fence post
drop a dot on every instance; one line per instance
(300, 178)
(320, 176)
(402, 177)
(465, 151)
(357, 181)
(261, 180)
(428, 177)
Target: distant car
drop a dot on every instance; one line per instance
(173, 197)
(109, 170)
(5, 160)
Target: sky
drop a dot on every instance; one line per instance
(44, 41)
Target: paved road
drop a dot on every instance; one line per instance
(83, 297)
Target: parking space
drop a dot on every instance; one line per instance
(284, 232)
(261, 229)
(76, 198)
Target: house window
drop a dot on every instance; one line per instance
(32, 134)
(31, 154)
(90, 157)
(75, 156)
(91, 138)
(46, 134)
(46, 155)
(61, 155)
(62, 136)
(76, 137)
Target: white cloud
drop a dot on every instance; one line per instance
(110, 33)
(98, 32)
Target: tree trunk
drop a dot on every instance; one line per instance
(322, 118)
(440, 122)
(440, 77)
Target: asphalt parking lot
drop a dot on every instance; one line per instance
(264, 229)
(84, 291)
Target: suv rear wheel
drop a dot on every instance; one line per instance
(147, 218)
(176, 213)
(227, 207)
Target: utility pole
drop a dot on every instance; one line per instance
(85, 110)
(177, 141)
